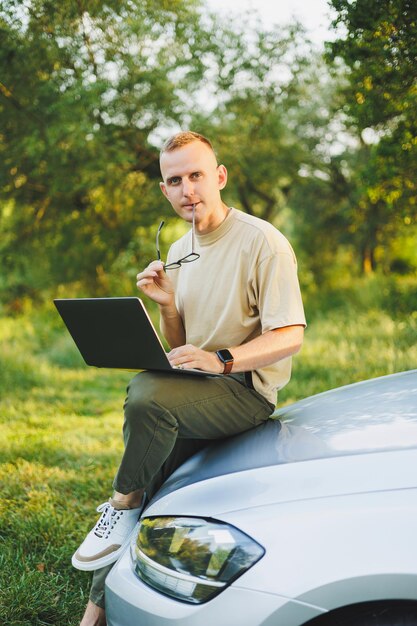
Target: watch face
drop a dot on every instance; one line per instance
(225, 356)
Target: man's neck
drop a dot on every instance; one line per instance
(217, 218)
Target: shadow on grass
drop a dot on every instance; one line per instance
(40, 588)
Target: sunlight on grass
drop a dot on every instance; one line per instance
(339, 350)
(60, 442)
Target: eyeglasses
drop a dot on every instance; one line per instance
(189, 258)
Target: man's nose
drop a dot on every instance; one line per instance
(187, 187)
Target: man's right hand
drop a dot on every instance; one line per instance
(154, 282)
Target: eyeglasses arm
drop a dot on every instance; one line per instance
(158, 251)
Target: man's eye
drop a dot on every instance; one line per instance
(196, 175)
(175, 180)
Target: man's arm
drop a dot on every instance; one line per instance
(269, 348)
(154, 282)
(171, 326)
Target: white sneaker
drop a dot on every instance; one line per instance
(108, 539)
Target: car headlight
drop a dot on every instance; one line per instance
(189, 558)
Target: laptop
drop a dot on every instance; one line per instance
(116, 333)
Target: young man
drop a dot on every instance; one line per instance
(229, 304)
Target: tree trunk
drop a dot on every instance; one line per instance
(368, 259)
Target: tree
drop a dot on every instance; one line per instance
(82, 87)
(378, 45)
(87, 90)
(266, 122)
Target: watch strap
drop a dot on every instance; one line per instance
(227, 367)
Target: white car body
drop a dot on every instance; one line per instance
(329, 490)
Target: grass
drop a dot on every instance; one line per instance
(340, 349)
(60, 438)
(60, 441)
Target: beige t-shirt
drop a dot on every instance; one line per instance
(244, 284)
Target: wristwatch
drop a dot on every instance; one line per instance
(227, 359)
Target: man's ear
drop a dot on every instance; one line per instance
(163, 189)
(222, 176)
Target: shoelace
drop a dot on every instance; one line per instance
(108, 518)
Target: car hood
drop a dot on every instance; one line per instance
(372, 416)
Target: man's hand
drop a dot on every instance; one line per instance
(154, 282)
(189, 356)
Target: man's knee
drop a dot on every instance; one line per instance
(145, 389)
(148, 399)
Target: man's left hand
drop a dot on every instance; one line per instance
(190, 357)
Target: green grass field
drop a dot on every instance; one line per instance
(61, 432)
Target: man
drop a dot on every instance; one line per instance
(230, 305)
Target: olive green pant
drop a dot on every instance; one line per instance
(168, 418)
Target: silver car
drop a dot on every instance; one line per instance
(308, 519)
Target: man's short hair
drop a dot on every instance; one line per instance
(182, 139)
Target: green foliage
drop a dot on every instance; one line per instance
(88, 92)
(378, 45)
(265, 123)
(81, 91)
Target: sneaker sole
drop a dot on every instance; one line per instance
(109, 559)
